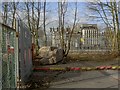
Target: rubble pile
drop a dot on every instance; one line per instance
(50, 55)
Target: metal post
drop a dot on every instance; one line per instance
(0, 57)
(119, 27)
(16, 54)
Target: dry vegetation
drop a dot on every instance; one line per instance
(92, 56)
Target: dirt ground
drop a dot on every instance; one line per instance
(42, 80)
(92, 56)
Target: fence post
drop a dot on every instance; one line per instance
(0, 57)
(119, 27)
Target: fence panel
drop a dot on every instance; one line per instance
(25, 55)
(7, 56)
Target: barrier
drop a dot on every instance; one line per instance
(25, 54)
(7, 57)
(15, 55)
(77, 68)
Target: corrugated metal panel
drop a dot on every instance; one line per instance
(25, 56)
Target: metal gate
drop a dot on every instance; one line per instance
(7, 57)
(15, 55)
(25, 55)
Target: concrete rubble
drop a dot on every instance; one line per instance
(50, 55)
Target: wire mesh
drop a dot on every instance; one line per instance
(8, 57)
(25, 54)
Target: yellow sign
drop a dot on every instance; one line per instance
(81, 39)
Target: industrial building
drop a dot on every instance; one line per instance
(90, 36)
(85, 36)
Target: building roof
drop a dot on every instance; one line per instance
(88, 25)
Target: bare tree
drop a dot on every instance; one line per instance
(105, 10)
(118, 36)
(28, 15)
(72, 30)
(34, 20)
(62, 9)
(5, 12)
(44, 22)
(10, 8)
(14, 8)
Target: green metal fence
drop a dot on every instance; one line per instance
(7, 57)
(0, 57)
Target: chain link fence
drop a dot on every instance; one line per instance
(12, 64)
(7, 57)
(25, 54)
